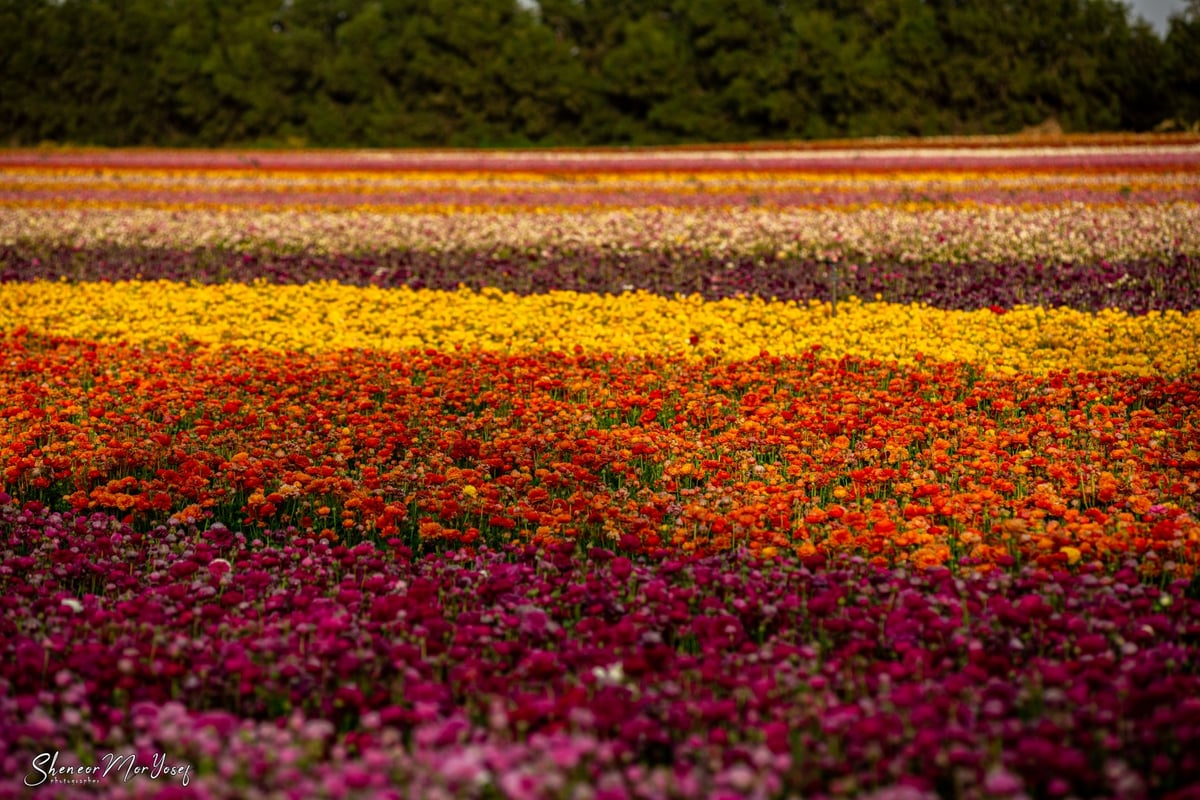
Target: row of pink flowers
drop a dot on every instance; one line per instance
(1182, 152)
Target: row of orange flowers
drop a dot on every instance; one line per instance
(929, 463)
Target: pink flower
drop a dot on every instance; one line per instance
(1000, 781)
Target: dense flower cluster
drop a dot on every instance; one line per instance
(1139, 285)
(1074, 153)
(554, 673)
(1066, 233)
(933, 462)
(1133, 255)
(767, 473)
(330, 317)
(739, 186)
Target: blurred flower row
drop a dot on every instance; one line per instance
(1058, 233)
(318, 670)
(1096, 153)
(1137, 286)
(487, 190)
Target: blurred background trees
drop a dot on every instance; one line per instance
(518, 72)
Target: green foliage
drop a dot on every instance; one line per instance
(1183, 64)
(557, 72)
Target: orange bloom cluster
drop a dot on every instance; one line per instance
(926, 464)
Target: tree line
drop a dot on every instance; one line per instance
(578, 72)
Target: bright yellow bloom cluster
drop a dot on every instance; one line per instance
(330, 316)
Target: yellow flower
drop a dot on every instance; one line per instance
(328, 316)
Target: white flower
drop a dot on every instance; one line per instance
(73, 604)
(613, 675)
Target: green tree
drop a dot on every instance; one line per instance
(503, 72)
(83, 71)
(1183, 63)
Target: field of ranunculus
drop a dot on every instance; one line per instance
(856, 471)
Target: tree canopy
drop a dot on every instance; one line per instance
(577, 72)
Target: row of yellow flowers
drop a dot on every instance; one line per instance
(329, 316)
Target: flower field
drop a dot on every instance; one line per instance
(854, 470)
